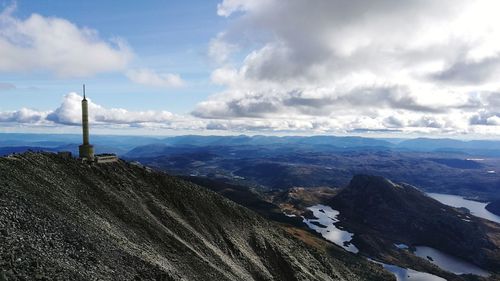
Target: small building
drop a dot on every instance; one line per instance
(105, 158)
(65, 154)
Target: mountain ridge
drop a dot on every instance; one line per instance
(64, 219)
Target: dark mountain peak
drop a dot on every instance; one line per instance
(368, 195)
(370, 183)
(401, 212)
(377, 192)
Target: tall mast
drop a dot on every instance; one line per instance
(85, 118)
(86, 149)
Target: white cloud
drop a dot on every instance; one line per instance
(39, 43)
(219, 50)
(493, 120)
(382, 120)
(23, 116)
(228, 7)
(485, 117)
(151, 78)
(69, 113)
(327, 66)
(385, 64)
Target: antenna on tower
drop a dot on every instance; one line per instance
(83, 91)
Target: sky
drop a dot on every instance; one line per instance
(343, 67)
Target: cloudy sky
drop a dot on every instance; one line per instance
(380, 67)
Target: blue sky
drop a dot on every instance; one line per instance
(382, 67)
(168, 36)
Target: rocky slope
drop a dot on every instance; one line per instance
(64, 220)
(382, 213)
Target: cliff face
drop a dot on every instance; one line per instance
(61, 219)
(380, 209)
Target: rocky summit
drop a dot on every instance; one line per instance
(61, 219)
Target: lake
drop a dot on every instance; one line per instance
(448, 262)
(477, 209)
(407, 274)
(326, 218)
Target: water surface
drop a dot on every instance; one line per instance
(477, 209)
(448, 262)
(408, 274)
(325, 225)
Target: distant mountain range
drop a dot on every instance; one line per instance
(467, 168)
(282, 166)
(126, 144)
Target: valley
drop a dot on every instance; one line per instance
(418, 213)
(464, 247)
(282, 166)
